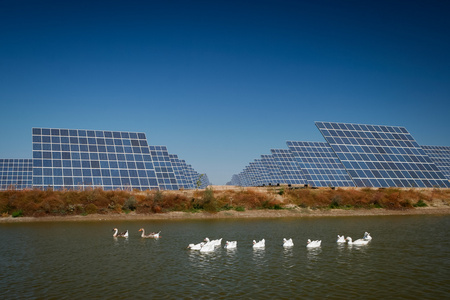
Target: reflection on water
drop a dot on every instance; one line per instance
(409, 257)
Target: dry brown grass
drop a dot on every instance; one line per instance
(49, 202)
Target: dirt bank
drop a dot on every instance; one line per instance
(248, 214)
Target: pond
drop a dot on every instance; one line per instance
(409, 257)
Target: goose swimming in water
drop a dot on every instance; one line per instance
(260, 244)
(357, 242)
(217, 242)
(288, 243)
(122, 234)
(208, 247)
(196, 246)
(153, 235)
(367, 236)
(313, 244)
(230, 245)
(341, 239)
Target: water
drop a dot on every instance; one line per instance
(408, 258)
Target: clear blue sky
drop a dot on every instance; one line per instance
(222, 82)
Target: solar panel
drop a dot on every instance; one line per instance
(16, 174)
(179, 171)
(440, 155)
(195, 179)
(255, 173)
(289, 167)
(264, 175)
(319, 164)
(236, 180)
(76, 159)
(187, 171)
(381, 156)
(243, 179)
(274, 173)
(204, 181)
(163, 168)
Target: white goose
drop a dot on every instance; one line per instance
(367, 236)
(288, 243)
(260, 244)
(341, 239)
(357, 242)
(153, 235)
(121, 234)
(313, 244)
(208, 247)
(196, 246)
(230, 245)
(217, 242)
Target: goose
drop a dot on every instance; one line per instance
(313, 244)
(341, 239)
(196, 246)
(153, 235)
(217, 242)
(230, 245)
(122, 234)
(288, 243)
(357, 242)
(208, 247)
(260, 244)
(367, 236)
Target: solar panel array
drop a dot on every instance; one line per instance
(77, 159)
(278, 168)
(354, 155)
(289, 167)
(440, 155)
(381, 156)
(319, 164)
(187, 177)
(273, 169)
(163, 167)
(179, 171)
(195, 179)
(16, 174)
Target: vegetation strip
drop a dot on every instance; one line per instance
(37, 203)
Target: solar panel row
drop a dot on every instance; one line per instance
(357, 155)
(77, 159)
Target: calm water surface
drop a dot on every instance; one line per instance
(408, 258)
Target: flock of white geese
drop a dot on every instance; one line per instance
(210, 245)
(152, 235)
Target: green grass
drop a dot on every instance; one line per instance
(420, 203)
(17, 213)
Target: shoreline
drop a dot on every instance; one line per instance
(232, 214)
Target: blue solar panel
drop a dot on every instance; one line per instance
(195, 179)
(255, 173)
(440, 155)
(16, 174)
(204, 181)
(179, 171)
(271, 166)
(76, 159)
(235, 180)
(289, 167)
(163, 168)
(319, 164)
(264, 175)
(381, 156)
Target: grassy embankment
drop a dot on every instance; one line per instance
(36, 203)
